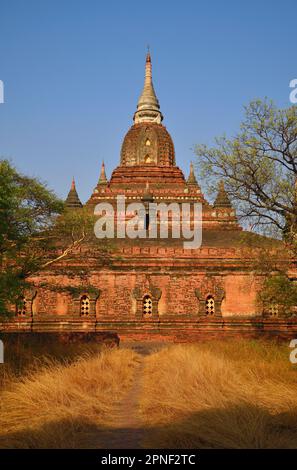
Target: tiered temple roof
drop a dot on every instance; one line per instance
(148, 155)
(72, 200)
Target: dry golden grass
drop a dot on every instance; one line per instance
(223, 394)
(219, 394)
(65, 405)
(26, 355)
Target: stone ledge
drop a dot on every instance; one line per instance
(177, 330)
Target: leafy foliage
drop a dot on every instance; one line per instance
(259, 167)
(28, 209)
(278, 289)
(36, 231)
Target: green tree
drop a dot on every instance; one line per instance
(259, 168)
(27, 210)
(278, 291)
(37, 231)
(72, 228)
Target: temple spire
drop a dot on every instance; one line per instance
(148, 108)
(72, 201)
(222, 199)
(102, 178)
(192, 177)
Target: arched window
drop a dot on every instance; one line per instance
(147, 159)
(147, 306)
(21, 308)
(273, 310)
(148, 142)
(209, 305)
(84, 305)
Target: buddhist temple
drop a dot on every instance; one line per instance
(156, 288)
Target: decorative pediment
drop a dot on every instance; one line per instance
(136, 293)
(156, 292)
(210, 285)
(147, 297)
(92, 292)
(210, 294)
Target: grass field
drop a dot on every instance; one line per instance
(224, 394)
(219, 394)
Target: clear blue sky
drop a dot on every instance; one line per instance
(73, 71)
